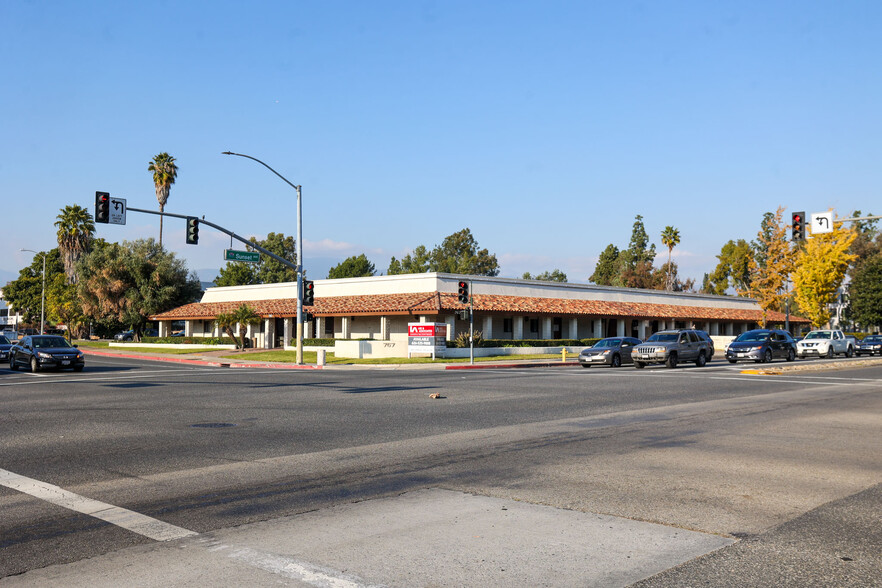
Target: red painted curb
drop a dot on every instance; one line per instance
(273, 366)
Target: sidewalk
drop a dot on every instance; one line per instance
(216, 359)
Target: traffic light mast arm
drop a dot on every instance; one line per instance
(281, 260)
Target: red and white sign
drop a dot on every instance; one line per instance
(426, 338)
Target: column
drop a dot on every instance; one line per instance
(384, 328)
(517, 328)
(307, 329)
(598, 328)
(450, 321)
(188, 328)
(163, 328)
(487, 327)
(574, 329)
(545, 327)
(249, 333)
(730, 328)
(287, 333)
(346, 327)
(620, 327)
(642, 328)
(268, 333)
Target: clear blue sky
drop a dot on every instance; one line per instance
(543, 126)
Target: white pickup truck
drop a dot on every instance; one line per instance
(825, 343)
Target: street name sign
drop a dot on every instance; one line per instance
(822, 222)
(117, 214)
(246, 256)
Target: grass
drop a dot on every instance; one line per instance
(163, 350)
(309, 357)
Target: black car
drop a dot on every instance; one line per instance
(46, 351)
(612, 351)
(870, 345)
(5, 346)
(762, 346)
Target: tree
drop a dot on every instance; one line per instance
(820, 270)
(132, 281)
(75, 231)
(25, 293)
(165, 171)
(867, 244)
(865, 293)
(667, 278)
(554, 275)
(733, 269)
(670, 238)
(352, 267)
(457, 254)
(243, 316)
(607, 269)
(635, 262)
(771, 265)
(63, 306)
(268, 271)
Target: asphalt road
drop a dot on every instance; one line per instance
(784, 469)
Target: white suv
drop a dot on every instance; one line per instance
(824, 344)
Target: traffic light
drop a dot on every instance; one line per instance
(308, 293)
(797, 225)
(192, 230)
(463, 292)
(102, 207)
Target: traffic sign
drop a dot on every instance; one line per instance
(822, 222)
(117, 214)
(246, 256)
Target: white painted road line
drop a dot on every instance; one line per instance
(121, 517)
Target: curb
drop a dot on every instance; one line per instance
(226, 364)
(487, 366)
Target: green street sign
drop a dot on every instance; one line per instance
(247, 256)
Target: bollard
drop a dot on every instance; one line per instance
(563, 355)
(320, 357)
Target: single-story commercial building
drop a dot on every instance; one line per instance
(380, 307)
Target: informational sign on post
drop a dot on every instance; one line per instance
(426, 338)
(117, 211)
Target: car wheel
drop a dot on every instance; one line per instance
(830, 352)
(12, 365)
(616, 361)
(671, 362)
(35, 365)
(767, 356)
(702, 359)
(733, 361)
(791, 355)
(849, 352)
(585, 365)
(639, 365)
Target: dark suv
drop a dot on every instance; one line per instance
(762, 346)
(673, 347)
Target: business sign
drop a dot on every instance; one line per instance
(248, 256)
(426, 338)
(117, 214)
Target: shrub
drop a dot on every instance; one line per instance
(190, 340)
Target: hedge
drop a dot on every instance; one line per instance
(192, 340)
(536, 342)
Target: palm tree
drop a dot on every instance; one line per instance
(670, 238)
(75, 231)
(164, 173)
(242, 316)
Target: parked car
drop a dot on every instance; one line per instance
(46, 351)
(762, 346)
(672, 347)
(870, 345)
(5, 346)
(612, 351)
(125, 336)
(826, 343)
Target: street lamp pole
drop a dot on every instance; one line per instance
(299, 256)
(43, 294)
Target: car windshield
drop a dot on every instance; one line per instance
(46, 342)
(872, 339)
(820, 335)
(662, 337)
(608, 343)
(753, 336)
(4, 340)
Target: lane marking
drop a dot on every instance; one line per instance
(290, 568)
(115, 515)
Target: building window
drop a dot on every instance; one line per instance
(329, 326)
(507, 325)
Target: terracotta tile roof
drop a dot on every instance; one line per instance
(435, 302)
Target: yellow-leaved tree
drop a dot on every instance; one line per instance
(770, 266)
(820, 269)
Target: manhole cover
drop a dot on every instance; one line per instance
(213, 425)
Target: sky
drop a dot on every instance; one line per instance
(544, 127)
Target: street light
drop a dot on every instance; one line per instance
(299, 256)
(43, 296)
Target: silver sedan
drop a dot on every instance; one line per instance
(612, 351)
